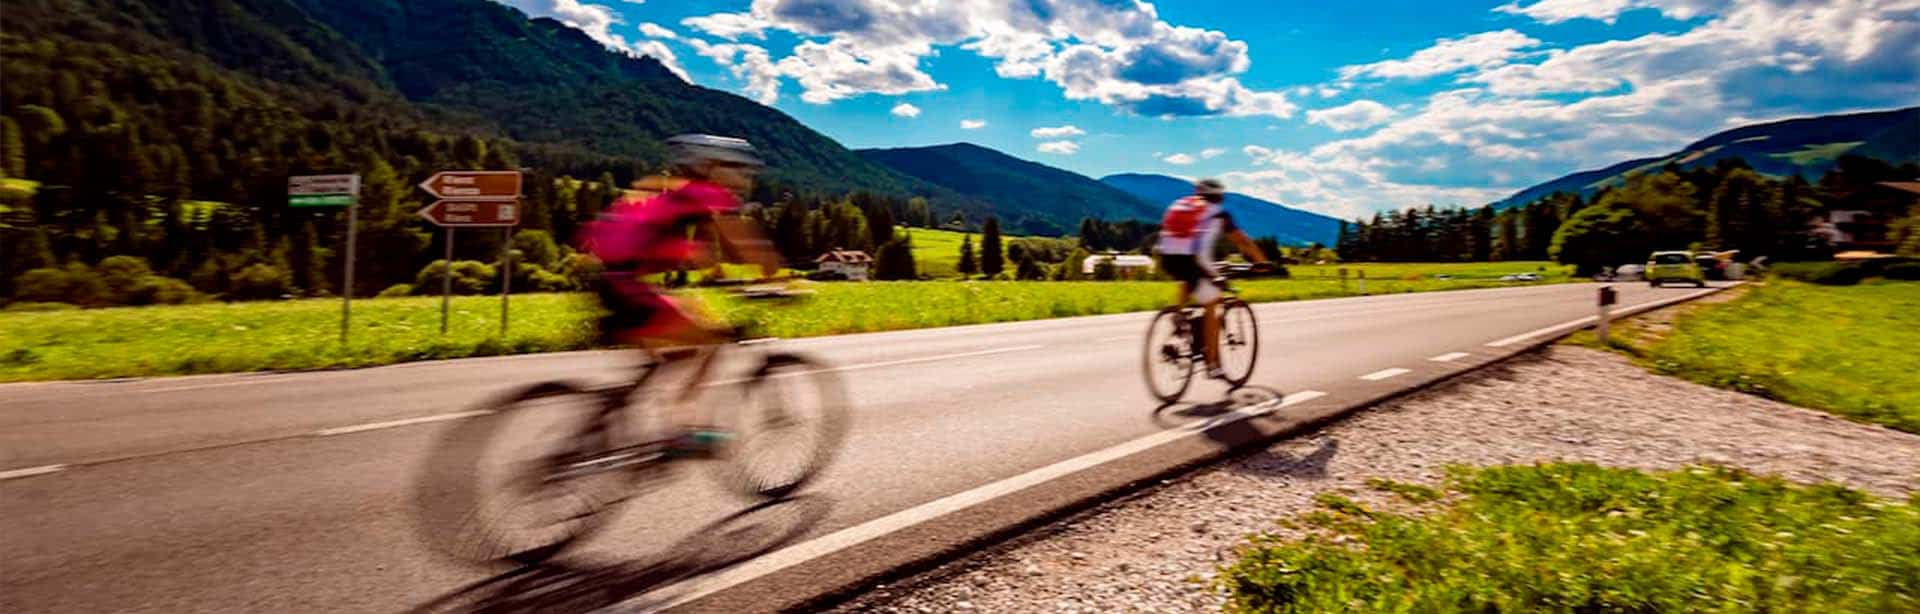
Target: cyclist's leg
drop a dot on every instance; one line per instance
(1209, 296)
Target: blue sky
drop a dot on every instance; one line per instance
(1339, 107)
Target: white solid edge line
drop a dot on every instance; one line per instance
(1385, 373)
(861, 533)
(31, 471)
(1450, 357)
(1583, 322)
(374, 426)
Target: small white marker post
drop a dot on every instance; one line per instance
(1607, 298)
(1363, 281)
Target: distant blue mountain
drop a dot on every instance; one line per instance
(1258, 217)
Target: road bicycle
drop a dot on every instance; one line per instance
(786, 411)
(1175, 348)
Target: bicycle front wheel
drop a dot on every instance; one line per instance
(789, 419)
(531, 474)
(1239, 342)
(1168, 361)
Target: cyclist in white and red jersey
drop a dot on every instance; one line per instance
(1188, 232)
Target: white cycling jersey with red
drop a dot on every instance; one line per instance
(1191, 226)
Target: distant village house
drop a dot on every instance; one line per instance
(850, 263)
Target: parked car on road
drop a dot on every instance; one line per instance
(1629, 272)
(1664, 267)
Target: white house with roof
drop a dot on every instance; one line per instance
(851, 263)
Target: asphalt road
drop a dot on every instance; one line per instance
(297, 492)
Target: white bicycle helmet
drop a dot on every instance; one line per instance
(1209, 187)
(688, 150)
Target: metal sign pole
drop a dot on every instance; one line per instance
(346, 292)
(446, 283)
(506, 273)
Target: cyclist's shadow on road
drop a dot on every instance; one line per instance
(585, 587)
(1206, 415)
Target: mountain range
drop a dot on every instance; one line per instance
(1808, 146)
(1259, 218)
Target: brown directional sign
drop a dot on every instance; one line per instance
(473, 213)
(473, 185)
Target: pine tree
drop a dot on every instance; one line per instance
(895, 261)
(992, 256)
(967, 265)
(13, 150)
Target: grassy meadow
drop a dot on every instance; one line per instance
(1582, 538)
(1844, 349)
(304, 334)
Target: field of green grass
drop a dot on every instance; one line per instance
(1581, 538)
(1844, 349)
(213, 338)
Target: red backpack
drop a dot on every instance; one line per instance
(1183, 219)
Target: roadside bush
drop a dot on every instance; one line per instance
(1825, 273)
(397, 290)
(1905, 271)
(260, 282)
(120, 274)
(158, 290)
(580, 270)
(469, 277)
(536, 247)
(75, 284)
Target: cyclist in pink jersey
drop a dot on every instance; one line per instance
(692, 225)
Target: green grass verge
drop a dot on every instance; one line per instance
(1582, 538)
(304, 334)
(1844, 349)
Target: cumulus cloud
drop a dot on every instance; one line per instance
(595, 20)
(730, 26)
(1343, 186)
(1211, 153)
(972, 124)
(905, 110)
(659, 51)
(749, 63)
(1065, 148)
(654, 30)
(1356, 115)
(1116, 52)
(1178, 159)
(1056, 132)
(1482, 50)
(1556, 11)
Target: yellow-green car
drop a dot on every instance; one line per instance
(1663, 267)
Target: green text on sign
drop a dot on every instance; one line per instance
(320, 200)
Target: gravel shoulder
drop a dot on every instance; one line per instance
(1154, 551)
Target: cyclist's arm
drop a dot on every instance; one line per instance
(742, 242)
(1247, 247)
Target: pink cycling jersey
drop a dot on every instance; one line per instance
(650, 235)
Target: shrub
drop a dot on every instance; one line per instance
(397, 290)
(536, 247)
(1826, 273)
(157, 290)
(76, 284)
(580, 270)
(1906, 271)
(260, 282)
(469, 277)
(120, 274)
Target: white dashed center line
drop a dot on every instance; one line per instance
(30, 471)
(1384, 374)
(1450, 357)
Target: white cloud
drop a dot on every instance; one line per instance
(1056, 132)
(730, 26)
(1483, 50)
(594, 19)
(659, 51)
(1065, 148)
(972, 124)
(749, 63)
(1342, 185)
(654, 30)
(1179, 159)
(905, 110)
(1354, 115)
(1211, 153)
(1116, 52)
(1556, 11)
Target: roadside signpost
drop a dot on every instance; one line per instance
(475, 199)
(1607, 298)
(333, 191)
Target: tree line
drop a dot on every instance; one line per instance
(1724, 206)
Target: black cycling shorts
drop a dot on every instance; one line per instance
(1183, 267)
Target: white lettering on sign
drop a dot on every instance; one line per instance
(459, 217)
(460, 191)
(506, 212)
(457, 180)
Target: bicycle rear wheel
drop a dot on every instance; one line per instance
(1239, 342)
(529, 477)
(1168, 360)
(789, 419)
